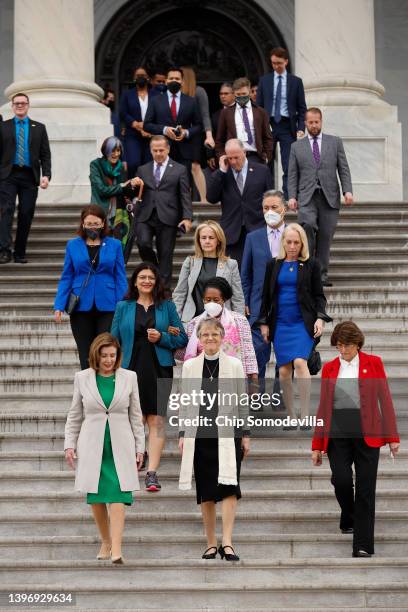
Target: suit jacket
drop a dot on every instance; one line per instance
(158, 116)
(257, 254)
(123, 328)
(101, 190)
(237, 209)
(106, 285)
(40, 153)
(86, 423)
(295, 95)
(311, 298)
(189, 273)
(129, 110)
(227, 129)
(172, 198)
(303, 173)
(378, 422)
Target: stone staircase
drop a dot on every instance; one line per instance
(294, 557)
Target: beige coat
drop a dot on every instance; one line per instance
(232, 380)
(85, 429)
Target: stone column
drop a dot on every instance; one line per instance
(54, 65)
(335, 56)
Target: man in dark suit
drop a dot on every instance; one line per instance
(24, 156)
(260, 246)
(283, 97)
(239, 185)
(315, 162)
(246, 121)
(166, 206)
(177, 117)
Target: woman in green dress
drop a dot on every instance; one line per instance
(105, 430)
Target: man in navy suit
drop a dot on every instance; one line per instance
(175, 115)
(261, 246)
(239, 185)
(283, 97)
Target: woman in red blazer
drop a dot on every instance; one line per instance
(358, 418)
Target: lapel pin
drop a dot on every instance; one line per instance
(364, 371)
(171, 165)
(251, 169)
(300, 265)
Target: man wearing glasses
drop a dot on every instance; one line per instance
(25, 164)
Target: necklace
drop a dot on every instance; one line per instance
(212, 372)
(292, 266)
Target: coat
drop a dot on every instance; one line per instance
(189, 273)
(311, 298)
(106, 285)
(39, 146)
(257, 254)
(295, 96)
(123, 328)
(231, 381)
(101, 191)
(303, 173)
(378, 423)
(85, 429)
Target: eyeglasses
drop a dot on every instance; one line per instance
(146, 278)
(93, 226)
(20, 103)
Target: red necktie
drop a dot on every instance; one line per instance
(173, 108)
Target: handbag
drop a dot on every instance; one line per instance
(73, 299)
(314, 363)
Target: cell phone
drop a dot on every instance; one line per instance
(178, 131)
(180, 230)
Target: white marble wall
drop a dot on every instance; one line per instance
(6, 45)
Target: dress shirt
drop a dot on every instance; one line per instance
(242, 134)
(26, 128)
(349, 369)
(319, 141)
(144, 102)
(244, 172)
(162, 167)
(274, 238)
(284, 98)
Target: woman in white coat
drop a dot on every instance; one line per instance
(209, 260)
(215, 447)
(105, 430)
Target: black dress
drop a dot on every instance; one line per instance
(208, 270)
(153, 397)
(206, 447)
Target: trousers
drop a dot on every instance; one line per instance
(85, 326)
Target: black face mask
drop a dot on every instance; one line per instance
(141, 81)
(173, 87)
(93, 233)
(162, 87)
(242, 100)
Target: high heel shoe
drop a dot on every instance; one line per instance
(227, 556)
(117, 560)
(105, 552)
(208, 555)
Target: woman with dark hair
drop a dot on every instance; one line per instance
(141, 325)
(108, 178)
(358, 418)
(132, 109)
(237, 339)
(93, 276)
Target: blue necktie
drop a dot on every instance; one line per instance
(278, 99)
(20, 144)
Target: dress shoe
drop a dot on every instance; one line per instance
(327, 283)
(5, 257)
(117, 560)
(20, 260)
(226, 555)
(361, 553)
(105, 552)
(208, 555)
(347, 530)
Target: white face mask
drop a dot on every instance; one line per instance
(213, 309)
(272, 218)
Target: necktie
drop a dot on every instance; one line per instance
(173, 108)
(316, 152)
(278, 100)
(157, 174)
(247, 126)
(20, 144)
(240, 181)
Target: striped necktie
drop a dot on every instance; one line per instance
(20, 144)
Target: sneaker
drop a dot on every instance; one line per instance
(152, 482)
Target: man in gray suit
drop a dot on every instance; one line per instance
(314, 163)
(166, 207)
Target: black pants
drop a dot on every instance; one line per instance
(357, 511)
(236, 250)
(165, 243)
(282, 133)
(85, 327)
(20, 183)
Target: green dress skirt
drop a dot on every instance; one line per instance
(109, 491)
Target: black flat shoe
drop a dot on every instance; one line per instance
(20, 260)
(361, 553)
(227, 556)
(347, 530)
(208, 555)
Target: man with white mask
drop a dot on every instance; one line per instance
(261, 246)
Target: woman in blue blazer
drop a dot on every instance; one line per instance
(94, 269)
(149, 330)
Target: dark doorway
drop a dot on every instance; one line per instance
(220, 39)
